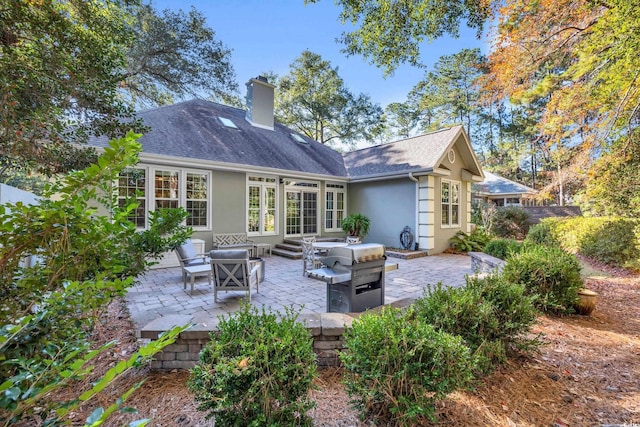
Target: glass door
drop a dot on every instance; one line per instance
(302, 212)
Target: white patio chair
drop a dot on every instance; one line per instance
(310, 260)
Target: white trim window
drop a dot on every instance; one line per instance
(197, 199)
(335, 206)
(132, 185)
(262, 202)
(166, 188)
(450, 203)
(171, 188)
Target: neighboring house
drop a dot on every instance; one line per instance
(237, 171)
(502, 191)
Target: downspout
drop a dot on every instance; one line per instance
(417, 213)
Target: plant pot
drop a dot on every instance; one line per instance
(586, 302)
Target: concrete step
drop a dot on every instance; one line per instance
(289, 247)
(287, 254)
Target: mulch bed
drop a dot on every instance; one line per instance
(585, 374)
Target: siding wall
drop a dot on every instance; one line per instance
(390, 205)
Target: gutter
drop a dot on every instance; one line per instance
(392, 175)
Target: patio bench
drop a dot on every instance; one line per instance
(233, 241)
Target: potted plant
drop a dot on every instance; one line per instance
(356, 225)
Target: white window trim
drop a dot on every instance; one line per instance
(262, 185)
(314, 187)
(335, 191)
(450, 203)
(150, 196)
(209, 199)
(147, 189)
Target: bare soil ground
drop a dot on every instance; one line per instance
(587, 373)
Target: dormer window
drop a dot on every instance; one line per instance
(228, 123)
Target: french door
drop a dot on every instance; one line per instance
(301, 212)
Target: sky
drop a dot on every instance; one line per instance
(268, 35)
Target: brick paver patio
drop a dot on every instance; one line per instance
(160, 292)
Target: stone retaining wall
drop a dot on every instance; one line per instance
(485, 263)
(326, 329)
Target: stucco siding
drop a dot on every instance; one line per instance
(444, 233)
(390, 205)
(228, 202)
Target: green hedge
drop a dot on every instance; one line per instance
(615, 241)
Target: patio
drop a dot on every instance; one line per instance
(160, 293)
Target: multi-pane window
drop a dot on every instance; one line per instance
(261, 205)
(196, 198)
(132, 185)
(450, 203)
(167, 189)
(334, 207)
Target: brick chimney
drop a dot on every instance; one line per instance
(260, 102)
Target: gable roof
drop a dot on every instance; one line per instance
(192, 133)
(193, 130)
(496, 185)
(420, 154)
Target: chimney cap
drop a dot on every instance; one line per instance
(262, 78)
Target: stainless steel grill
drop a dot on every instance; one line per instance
(355, 277)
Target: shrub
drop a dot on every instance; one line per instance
(257, 370)
(85, 261)
(550, 273)
(615, 241)
(502, 248)
(540, 234)
(511, 221)
(397, 368)
(482, 214)
(489, 314)
(473, 242)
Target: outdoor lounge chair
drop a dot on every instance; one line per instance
(232, 271)
(192, 263)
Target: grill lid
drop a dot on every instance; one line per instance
(354, 254)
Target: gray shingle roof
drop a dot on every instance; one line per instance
(495, 184)
(412, 154)
(191, 129)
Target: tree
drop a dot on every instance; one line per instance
(313, 99)
(401, 119)
(581, 66)
(59, 65)
(69, 69)
(84, 260)
(389, 33)
(449, 94)
(176, 54)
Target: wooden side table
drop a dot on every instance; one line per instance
(262, 248)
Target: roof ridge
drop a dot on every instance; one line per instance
(404, 139)
(188, 101)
